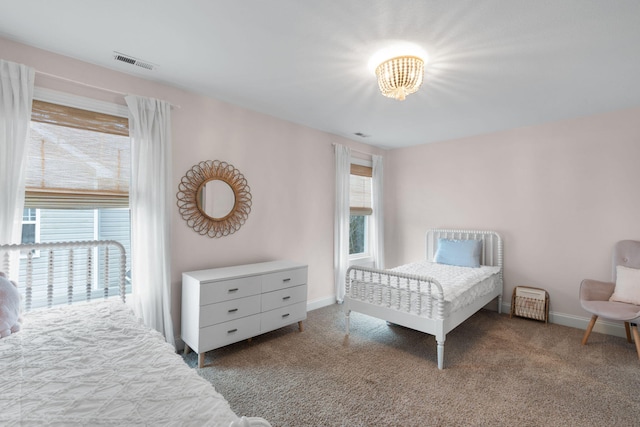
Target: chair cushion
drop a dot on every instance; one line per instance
(612, 309)
(627, 285)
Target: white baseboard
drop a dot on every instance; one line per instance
(579, 322)
(321, 302)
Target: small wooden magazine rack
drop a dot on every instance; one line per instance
(532, 303)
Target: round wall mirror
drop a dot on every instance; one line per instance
(214, 198)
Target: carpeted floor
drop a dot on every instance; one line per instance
(498, 371)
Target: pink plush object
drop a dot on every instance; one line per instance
(9, 306)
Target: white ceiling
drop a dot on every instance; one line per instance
(494, 64)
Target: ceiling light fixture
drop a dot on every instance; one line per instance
(399, 69)
(400, 76)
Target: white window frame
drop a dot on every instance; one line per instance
(36, 253)
(75, 101)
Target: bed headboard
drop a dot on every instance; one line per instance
(491, 243)
(65, 272)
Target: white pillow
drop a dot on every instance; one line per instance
(627, 285)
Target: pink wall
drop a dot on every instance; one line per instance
(560, 194)
(289, 168)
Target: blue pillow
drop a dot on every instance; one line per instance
(464, 253)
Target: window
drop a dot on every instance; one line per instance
(30, 228)
(77, 159)
(358, 234)
(360, 207)
(77, 183)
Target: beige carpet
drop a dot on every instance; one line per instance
(498, 371)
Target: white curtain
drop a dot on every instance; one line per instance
(377, 233)
(341, 221)
(150, 201)
(16, 96)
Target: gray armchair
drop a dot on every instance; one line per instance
(594, 294)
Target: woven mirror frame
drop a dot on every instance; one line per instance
(191, 195)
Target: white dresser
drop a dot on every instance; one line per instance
(221, 306)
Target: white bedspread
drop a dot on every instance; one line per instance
(460, 287)
(455, 280)
(95, 365)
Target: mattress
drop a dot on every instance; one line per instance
(460, 285)
(94, 364)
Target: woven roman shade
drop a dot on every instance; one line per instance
(78, 159)
(46, 112)
(360, 190)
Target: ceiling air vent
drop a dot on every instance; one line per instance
(133, 61)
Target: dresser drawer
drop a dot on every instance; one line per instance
(284, 316)
(284, 279)
(284, 297)
(225, 290)
(228, 332)
(229, 310)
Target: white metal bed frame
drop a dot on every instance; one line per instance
(433, 322)
(54, 250)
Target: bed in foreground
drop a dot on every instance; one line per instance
(461, 274)
(94, 363)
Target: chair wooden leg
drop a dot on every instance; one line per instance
(636, 337)
(627, 329)
(589, 329)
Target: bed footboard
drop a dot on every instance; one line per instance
(400, 291)
(50, 273)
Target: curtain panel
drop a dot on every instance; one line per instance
(149, 199)
(341, 219)
(16, 96)
(377, 234)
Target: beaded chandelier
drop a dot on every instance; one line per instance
(400, 76)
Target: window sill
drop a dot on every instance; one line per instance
(362, 260)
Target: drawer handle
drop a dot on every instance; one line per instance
(232, 331)
(233, 310)
(286, 280)
(285, 298)
(285, 315)
(233, 290)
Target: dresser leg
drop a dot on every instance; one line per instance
(186, 349)
(300, 326)
(201, 360)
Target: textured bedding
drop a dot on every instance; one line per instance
(94, 364)
(460, 285)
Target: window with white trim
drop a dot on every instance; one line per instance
(77, 181)
(360, 211)
(30, 226)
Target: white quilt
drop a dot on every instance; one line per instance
(455, 280)
(95, 365)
